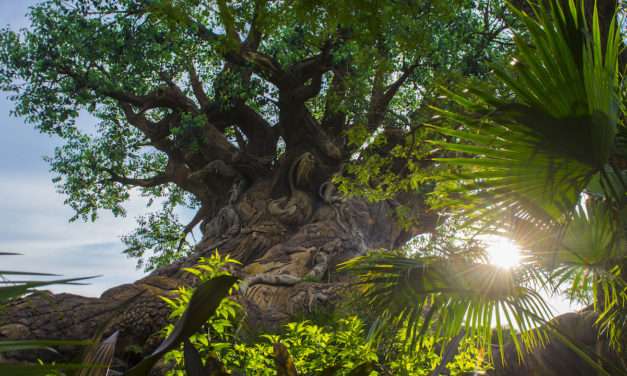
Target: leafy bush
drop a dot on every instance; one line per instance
(220, 329)
(340, 346)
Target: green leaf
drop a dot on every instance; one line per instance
(10, 292)
(18, 345)
(203, 303)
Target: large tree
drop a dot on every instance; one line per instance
(261, 116)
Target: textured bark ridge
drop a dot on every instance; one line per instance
(289, 266)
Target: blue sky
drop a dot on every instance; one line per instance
(34, 221)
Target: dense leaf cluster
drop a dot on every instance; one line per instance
(146, 94)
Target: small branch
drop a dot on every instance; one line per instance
(332, 118)
(156, 132)
(228, 21)
(200, 214)
(197, 88)
(255, 35)
(391, 89)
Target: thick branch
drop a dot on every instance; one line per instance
(260, 134)
(168, 97)
(141, 182)
(310, 69)
(307, 92)
(382, 96)
(334, 118)
(313, 66)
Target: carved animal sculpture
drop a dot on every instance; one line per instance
(297, 207)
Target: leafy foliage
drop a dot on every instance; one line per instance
(221, 326)
(340, 347)
(88, 72)
(158, 240)
(531, 156)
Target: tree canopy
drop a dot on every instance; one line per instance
(467, 118)
(189, 97)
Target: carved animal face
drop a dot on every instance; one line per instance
(306, 164)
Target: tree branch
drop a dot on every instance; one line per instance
(169, 96)
(333, 118)
(307, 92)
(157, 133)
(255, 34)
(313, 66)
(260, 134)
(228, 21)
(382, 96)
(197, 88)
(141, 182)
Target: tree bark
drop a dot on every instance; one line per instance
(289, 267)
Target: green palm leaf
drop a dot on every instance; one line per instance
(584, 256)
(448, 295)
(536, 146)
(15, 289)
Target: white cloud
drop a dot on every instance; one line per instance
(34, 222)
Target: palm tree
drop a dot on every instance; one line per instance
(538, 158)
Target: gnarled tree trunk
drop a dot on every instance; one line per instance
(288, 266)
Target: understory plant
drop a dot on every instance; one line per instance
(341, 347)
(11, 289)
(538, 157)
(219, 332)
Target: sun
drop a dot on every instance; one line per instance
(502, 252)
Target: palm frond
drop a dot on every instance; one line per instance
(584, 257)
(448, 295)
(535, 146)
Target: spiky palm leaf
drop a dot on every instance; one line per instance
(10, 290)
(447, 295)
(535, 146)
(530, 151)
(584, 257)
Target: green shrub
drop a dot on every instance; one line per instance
(341, 345)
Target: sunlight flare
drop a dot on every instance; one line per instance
(502, 252)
